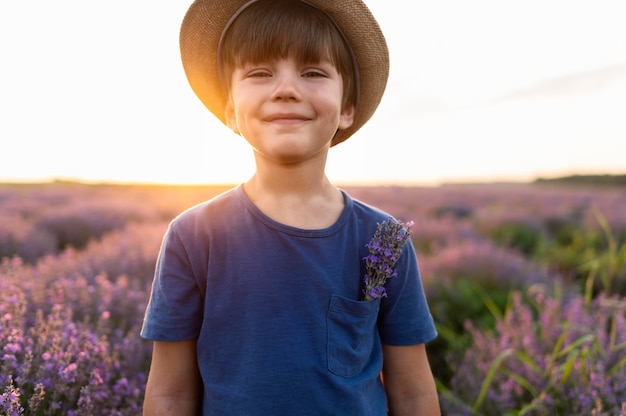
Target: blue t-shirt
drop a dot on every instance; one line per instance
(275, 309)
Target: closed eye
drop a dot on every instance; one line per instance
(314, 74)
(259, 74)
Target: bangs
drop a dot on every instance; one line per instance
(278, 36)
(277, 29)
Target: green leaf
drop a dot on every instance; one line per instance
(529, 407)
(617, 367)
(525, 384)
(489, 303)
(568, 366)
(574, 345)
(556, 349)
(490, 374)
(523, 357)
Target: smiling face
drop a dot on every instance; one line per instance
(288, 110)
(269, 30)
(290, 79)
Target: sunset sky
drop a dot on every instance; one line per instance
(479, 91)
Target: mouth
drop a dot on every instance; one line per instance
(286, 118)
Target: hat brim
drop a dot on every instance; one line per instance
(205, 21)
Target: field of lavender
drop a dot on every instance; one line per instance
(527, 285)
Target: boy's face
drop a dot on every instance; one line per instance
(288, 111)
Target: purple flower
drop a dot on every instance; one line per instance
(377, 292)
(385, 249)
(10, 400)
(69, 373)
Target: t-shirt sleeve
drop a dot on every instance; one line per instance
(405, 318)
(174, 311)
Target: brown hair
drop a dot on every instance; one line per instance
(271, 29)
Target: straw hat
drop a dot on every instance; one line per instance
(205, 21)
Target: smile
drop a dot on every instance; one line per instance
(287, 118)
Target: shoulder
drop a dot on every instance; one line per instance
(211, 210)
(367, 212)
(197, 225)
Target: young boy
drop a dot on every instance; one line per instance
(256, 306)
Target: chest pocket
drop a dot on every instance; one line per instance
(352, 334)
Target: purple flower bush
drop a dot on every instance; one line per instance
(557, 356)
(21, 237)
(76, 265)
(69, 327)
(58, 366)
(10, 400)
(37, 220)
(434, 234)
(475, 276)
(471, 280)
(482, 262)
(70, 319)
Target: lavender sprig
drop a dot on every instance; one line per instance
(385, 249)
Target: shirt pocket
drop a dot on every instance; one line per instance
(352, 334)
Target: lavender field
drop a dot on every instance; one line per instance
(527, 285)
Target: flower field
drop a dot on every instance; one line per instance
(527, 285)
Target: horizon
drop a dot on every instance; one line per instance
(582, 178)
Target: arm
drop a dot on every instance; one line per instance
(174, 385)
(409, 382)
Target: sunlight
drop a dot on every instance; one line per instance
(463, 103)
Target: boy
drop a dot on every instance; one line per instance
(256, 307)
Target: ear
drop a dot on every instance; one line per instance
(346, 118)
(231, 119)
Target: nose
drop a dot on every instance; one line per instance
(286, 87)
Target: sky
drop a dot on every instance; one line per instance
(479, 91)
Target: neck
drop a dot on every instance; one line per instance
(285, 179)
(289, 187)
(298, 195)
